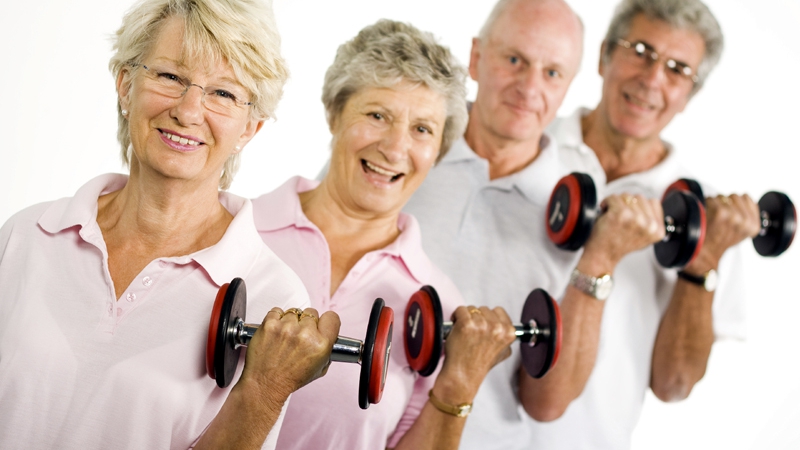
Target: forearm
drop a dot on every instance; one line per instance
(243, 422)
(434, 429)
(547, 398)
(683, 342)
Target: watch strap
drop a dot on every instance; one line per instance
(461, 410)
(597, 287)
(694, 279)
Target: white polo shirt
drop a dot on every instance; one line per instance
(489, 236)
(80, 369)
(605, 414)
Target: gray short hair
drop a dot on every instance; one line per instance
(241, 32)
(684, 14)
(387, 53)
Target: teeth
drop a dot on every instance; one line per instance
(179, 139)
(379, 170)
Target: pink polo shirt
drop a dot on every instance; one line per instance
(325, 413)
(82, 370)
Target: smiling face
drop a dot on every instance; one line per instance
(179, 138)
(384, 143)
(640, 100)
(524, 68)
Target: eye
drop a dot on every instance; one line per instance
(424, 129)
(376, 115)
(221, 93)
(514, 60)
(553, 73)
(169, 77)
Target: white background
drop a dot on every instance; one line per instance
(58, 125)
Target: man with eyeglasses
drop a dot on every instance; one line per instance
(657, 327)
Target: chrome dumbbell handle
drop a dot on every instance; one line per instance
(345, 349)
(526, 333)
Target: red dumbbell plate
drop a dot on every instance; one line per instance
(221, 355)
(423, 331)
(687, 185)
(540, 357)
(571, 211)
(375, 357)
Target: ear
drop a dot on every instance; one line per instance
(253, 126)
(600, 65)
(474, 56)
(124, 87)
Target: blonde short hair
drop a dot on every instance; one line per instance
(242, 33)
(387, 53)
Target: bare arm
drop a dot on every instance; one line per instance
(284, 355)
(478, 341)
(623, 228)
(686, 333)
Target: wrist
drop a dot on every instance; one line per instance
(596, 263)
(453, 409)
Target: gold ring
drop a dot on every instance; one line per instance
(630, 200)
(475, 311)
(276, 310)
(304, 315)
(725, 200)
(296, 311)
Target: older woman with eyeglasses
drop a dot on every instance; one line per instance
(395, 101)
(105, 297)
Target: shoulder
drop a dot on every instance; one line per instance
(275, 282)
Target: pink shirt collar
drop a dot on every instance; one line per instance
(281, 209)
(233, 256)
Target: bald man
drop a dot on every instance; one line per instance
(482, 209)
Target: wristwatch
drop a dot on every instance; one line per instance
(598, 287)
(707, 280)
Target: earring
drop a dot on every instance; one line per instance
(125, 113)
(238, 149)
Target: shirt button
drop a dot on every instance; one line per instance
(110, 310)
(147, 281)
(131, 296)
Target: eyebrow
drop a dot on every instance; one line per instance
(181, 66)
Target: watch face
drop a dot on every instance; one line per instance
(711, 280)
(603, 287)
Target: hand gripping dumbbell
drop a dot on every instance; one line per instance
(572, 211)
(228, 333)
(539, 334)
(778, 218)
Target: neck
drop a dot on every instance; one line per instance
(505, 156)
(172, 216)
(339, 221)
(619, 154)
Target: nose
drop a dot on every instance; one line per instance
(396, 142)
(530, 84)
(189, 108)
(653, 73)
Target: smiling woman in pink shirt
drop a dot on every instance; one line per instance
(105, 297)
(395, 101)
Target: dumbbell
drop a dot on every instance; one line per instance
(778, 218)
(228, 333)
(539, 334)
(572, 211)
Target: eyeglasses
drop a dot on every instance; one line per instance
(220, 100)
(644, 55)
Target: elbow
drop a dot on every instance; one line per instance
(543, 411)
(673, 390)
